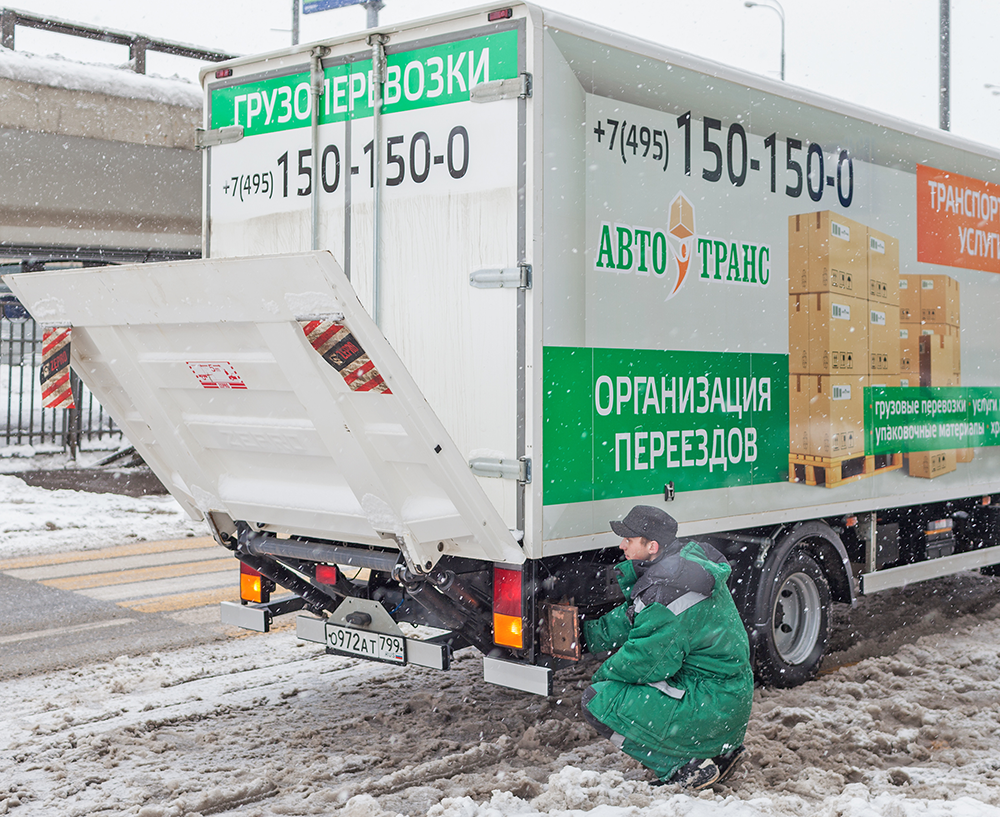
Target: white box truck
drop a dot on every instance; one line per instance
(474, 286)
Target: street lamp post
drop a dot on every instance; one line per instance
(777, 9)
(944, 67)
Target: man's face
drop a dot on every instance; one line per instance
(635, 547)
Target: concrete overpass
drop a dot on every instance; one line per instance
(98, 163)
(97, 166)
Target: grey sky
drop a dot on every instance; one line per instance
(882, 54)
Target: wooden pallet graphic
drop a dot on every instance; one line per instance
(831, 472)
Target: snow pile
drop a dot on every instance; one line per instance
(33, 520)
(57, 72)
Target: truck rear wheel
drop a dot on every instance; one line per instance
(798, 612)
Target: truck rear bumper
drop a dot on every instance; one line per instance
(257, 617)
(523, 677)
(420, 653)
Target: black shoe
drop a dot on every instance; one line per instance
(696, 774)
(728, 762)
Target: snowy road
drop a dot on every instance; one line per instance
(905, 722)
(268, 725)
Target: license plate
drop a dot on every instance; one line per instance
(347, 641)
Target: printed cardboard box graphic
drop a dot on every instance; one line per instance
(937, 356)
(883, 268)
(828, 334)
(828, 252)
(854, 322)
(843, 334)
(681, 218)
(827, 415)
(931, 307)
(883, 338)
(954, 335)
(930, 464)
(939, 300)
(909, 298)
(909, 350)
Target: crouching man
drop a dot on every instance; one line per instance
(676, 692)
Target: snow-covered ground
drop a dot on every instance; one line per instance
(33, 520)
(904, 723)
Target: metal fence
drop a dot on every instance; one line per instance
(28, 423)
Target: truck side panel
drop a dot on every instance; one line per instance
(728, 233)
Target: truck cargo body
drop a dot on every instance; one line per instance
(581, 272)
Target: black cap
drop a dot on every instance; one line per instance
(645, 520)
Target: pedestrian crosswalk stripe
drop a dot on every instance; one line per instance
(135, 590)
(134, 549)
(185, 579)
(183, 601)
(142, 574)
(167, 577)
(119, 563)
(72, 628)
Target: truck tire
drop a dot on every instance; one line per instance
(798, 615)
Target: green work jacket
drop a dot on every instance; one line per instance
(679, 680)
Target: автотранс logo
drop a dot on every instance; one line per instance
(668, 253)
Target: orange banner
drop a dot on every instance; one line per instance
(958, 220)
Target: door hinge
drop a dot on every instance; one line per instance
(517, 88)
(219, 136)
(502, 468)
(518, 277)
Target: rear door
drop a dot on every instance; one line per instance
(452, 203)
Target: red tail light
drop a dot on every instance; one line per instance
(326, 574)
(508, 625)
(253, 586)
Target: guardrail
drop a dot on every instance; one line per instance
(27, 422)
(138, 44)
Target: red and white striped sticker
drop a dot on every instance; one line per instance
(57, 390)
(341, 350)
(216, 374)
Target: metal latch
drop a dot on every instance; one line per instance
(502, 469)
(518, 277)
(517, 88)
(219, 136)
